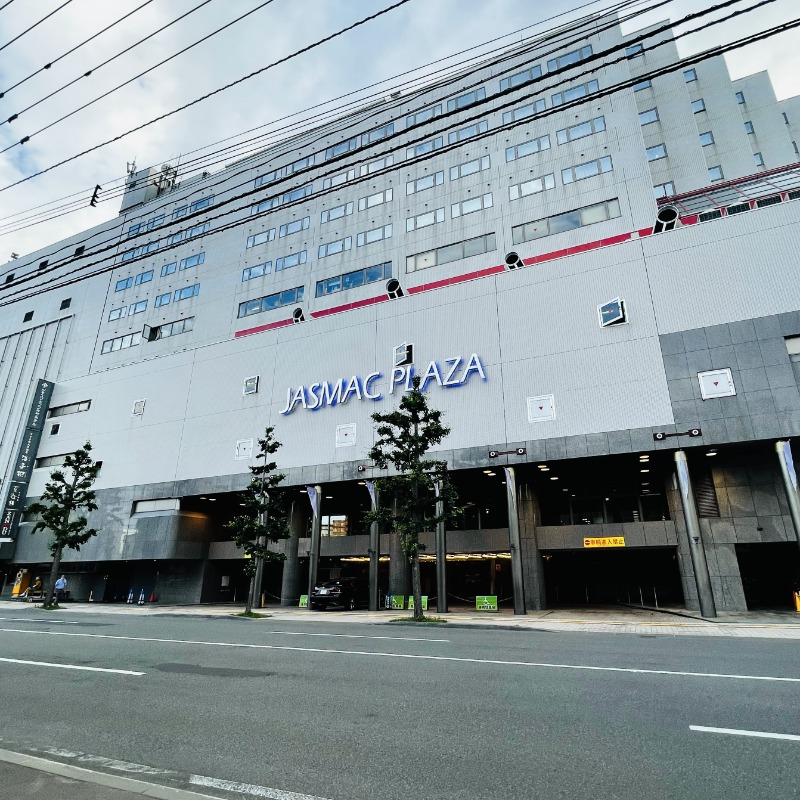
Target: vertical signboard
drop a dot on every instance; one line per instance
(23, 463)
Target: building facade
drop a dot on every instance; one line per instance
(584, 246)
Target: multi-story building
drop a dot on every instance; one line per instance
(585, 246)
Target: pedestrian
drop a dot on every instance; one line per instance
(61, 588)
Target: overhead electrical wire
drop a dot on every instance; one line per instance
(92, 72)
(63, 280)
(78, 46)
(6, 4)
(35, 24)
(337, 110)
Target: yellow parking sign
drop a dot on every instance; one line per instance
(604, 541)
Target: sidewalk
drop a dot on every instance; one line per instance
(770, 625)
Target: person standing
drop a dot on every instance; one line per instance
(61, 588)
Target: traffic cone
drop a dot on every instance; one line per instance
(130, 596)
(141, 598)
(153, 596)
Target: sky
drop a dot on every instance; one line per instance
(406, 38)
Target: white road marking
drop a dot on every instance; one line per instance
(412, 656)
(249, 788)
(352, 636)
(67, 666)
(757, 734)
(108, 763)
(45, 621)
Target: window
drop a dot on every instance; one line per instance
(595, 125)
(292, 260)
(698, 105)
(424, 147)
(174, 238)
(634, 51)
(261, 238)
(527, 148)
(690, 75)
(266, 205)
(298, 194)
(120, 343)
(269, 177)
(168, 329)
(467, 133)
(332, 248)
(377, 199)
(523, 111)
(526, 76)
(471, 206)
(425, 220)
(118, 313)
(587, 170)
(162, 300)
(70, 408)
(706, 138)
(258, 271)
(569, 58)
(531, 187)
(664, 189)
(377, 164)
(648, 117)
(424, 115)
(143, 277)
(470, 168)
(134, 229)
(758, 159)
(452, 252)
(337, 212)
(715, 173)
(467, 99)
(123, 284)
(637, 87)
(51, 461)
(271, 301)
(575, 93)
(740, 97)
(155, 222)
(342, 147)
(427, 182)
(375, 235)
(137, 308)
(196, 259)
(570, 220)
(198, 230)
(351, 280)
(28, 316)
(295, 226)
(65, 304)
(168, 269)
(301, 163)
(180, 212)
(656, 152)
(748, 127)
(338, 180)
(376, 134)
(203, 202)
(186, 292)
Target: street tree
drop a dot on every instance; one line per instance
(404, 438)
(265, 517)
(60, 510)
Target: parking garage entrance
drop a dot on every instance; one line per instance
(647, 576)
(770, 573)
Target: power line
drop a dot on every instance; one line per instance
(629, 83)
(35, 24)
(5, 5)
(92, 71)
(296, 53)
(608, 10)
(72, 50)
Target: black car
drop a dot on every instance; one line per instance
(348, 593)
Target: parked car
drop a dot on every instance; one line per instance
(348, 593)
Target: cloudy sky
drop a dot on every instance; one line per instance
(406, 38)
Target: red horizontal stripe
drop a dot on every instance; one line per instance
(350, 306)
(469, 276)
(261, 328)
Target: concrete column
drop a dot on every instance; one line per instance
(696, 546)
(441, 559)
(532, 562)
(315, 495)
(374, 550)
(514, 540)
(291, 583)
(789, 475)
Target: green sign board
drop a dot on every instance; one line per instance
(397, 601)
(486, 602)
(424, 602)
(303, 601)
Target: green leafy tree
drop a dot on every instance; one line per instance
(265, 518)
(60, 509)
(404, 437)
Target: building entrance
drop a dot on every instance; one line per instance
(770, 573)
(648, 576)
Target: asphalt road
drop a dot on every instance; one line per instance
(390, 712)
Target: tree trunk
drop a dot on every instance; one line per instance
(416, 584)
(250, 592)
(51, 583)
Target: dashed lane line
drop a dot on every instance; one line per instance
(68, 666)
(736, 732)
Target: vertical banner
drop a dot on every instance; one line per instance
(313, 496)
(24, 462)
(371, 490)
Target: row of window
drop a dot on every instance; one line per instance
(271, 301)
(568, 221)
(150, 334)
(286, 262)
(353, 279)
(70, 408)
